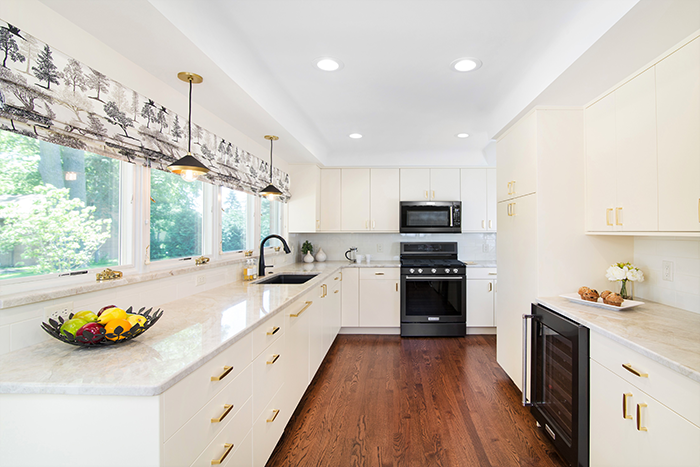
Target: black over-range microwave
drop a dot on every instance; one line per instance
(431, 217)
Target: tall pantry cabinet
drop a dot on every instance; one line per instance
(542, 248)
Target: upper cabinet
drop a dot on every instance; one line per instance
(478, 200)
(384, 201)
(517, 160)
(430, 185)
(305, 204)
(643, 150)
(330, 200)
(355, 200)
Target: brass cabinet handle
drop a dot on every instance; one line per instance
(624, 406)
(336, 278)
(318, 223)
(227, 370)
(341, 276)
(397, 286)
(227, 448)
(490, 286)
(433, 194)
(483, 224)
(698, 209)
(306, 305)
(274, 359)
(426, 194)
(509, 189)
(274, 415)
(618, 219)
(628, 367)
(512, 209)
(639, 417)
(325, 290)
(490, 224)
(336, 291)
(373, 224)
(513, 186)
(227, 409)
(378, 273)
(607, 216)
(493, 274)
(274, 331)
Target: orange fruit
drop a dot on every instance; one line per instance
(114, 324)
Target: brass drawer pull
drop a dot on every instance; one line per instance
(336, 291)
(628, 367)
(274, 415)
(227, 448)
(274, 359)
(490, 286)
(624, 406)
(227, 370)
(227, 409)
(639, 417)
(493, 274)
(336, 278)
(378, 273)
(306, 306)
(274, 331)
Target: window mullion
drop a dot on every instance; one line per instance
(143, 218)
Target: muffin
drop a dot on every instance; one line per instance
(613, 299)
(590, 295)
(604, 294)
(583, 290)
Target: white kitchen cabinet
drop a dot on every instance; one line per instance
(380, 299)
(330, 200)
(481, 291)
(678, 120)
(350, 297)
(355, 214)
(415, 184)
(304, 206)
(517, 159)
(478, 197)
(384, 200)
(332, 309)
(600, 152)
(430, 185)
(316, 328)
(297, 319)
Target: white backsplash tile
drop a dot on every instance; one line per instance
(4, 339)
(26, 333)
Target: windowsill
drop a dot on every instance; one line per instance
(41, 295)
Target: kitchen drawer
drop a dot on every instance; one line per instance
(680, 393)
(268, 374)
(268, 333)
(189, 441)
(482, 273)
(236, 433)
(268, 428)
(187, 397)
(380, 273)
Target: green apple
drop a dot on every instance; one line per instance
(70, 327)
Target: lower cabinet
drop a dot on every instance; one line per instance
(380, 297)
(481, 297)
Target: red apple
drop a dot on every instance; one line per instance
(94, 332)
(105, 308)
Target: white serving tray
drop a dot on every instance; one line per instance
(626, 305)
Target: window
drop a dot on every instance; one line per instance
(176, 216)
(59, 208)
(236, 221)
(271, 220)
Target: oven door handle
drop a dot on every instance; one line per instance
(442, 278)
(452, 223)
(525, 355)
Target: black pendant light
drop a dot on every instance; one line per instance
(188, 167)
(271, 190)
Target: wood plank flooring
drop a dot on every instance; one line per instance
(387, 401)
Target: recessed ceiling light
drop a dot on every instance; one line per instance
(328, 64)
(355, 135)
(462, 135)
(466, 64)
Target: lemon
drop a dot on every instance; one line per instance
(136, 319)
(112, 313)
(86, 315)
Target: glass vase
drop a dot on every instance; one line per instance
(627, 289)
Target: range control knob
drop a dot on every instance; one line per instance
(447, 270)
(420, 271)
(434, 271)
(411, 271)
(455, 271)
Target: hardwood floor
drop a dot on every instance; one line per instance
(387, 401)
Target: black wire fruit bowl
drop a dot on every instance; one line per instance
(101, 338)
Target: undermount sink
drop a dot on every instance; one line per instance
(287, 279)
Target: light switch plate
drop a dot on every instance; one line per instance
(201, 279)
(667, 270)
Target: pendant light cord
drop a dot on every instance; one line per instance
(271, 161)
(189, 122)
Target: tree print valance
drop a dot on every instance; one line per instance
(47, 95)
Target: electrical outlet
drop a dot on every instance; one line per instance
(201, 279)
(667, 270)
(60, 309)
(380, 247)
(485, 248)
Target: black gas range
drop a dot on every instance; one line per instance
(433, 290)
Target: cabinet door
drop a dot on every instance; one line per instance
(678, 120)
(297, 346)
(384, 199)
(444, 184)
(474, 205)
(380, 304)
(600, 160)
(635, 176)
(317, 318)
(355, 214)
(304, 205)
(491, 216)
(517, 159)
(351, 297)
(480, 303)
(415, 184)
(330, 199)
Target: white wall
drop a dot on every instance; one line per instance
(684, 291)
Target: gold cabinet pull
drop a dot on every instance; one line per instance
(306, 306)
(274, 331)
(227, 449)
(433, 194)
(274, 415)
(618, 216)
(509, 190)
(227, 409)
(227, 370)
(274, 359)
(698, 209)
(493, 274)
(426, 194)
(341, 276)
(490, 286)
(397, 286)
(318, 223)
(513, 187)
(512, 209)
(628, 367)
(336, 278)
(607, 216)
(624, 406)
(490, 224)
(325, 290)
(483, 224)
(378, 273)
(336, 291)
(639, 417)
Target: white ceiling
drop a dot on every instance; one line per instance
(396, 87)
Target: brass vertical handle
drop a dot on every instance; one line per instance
(512, 209)
(227, 370)
(490, 224)
(318, 223)
(483, 224)
(426, 194)
(639, 417)
(397, 286)
(341, 276)
(490, 286)
(433, 194)
(607, 216)
(624, 406)
(508, 209)
(509, 189)
(274, 415)
(698, 209)
(325, 290)
(513, 187)
(227, 409)
(618, 218)
(227, 448)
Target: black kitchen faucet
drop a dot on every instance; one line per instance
(261, 265)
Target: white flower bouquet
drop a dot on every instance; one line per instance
(623, 272)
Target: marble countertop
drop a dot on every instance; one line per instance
(480, 264)
(667, 335)
(191, 332)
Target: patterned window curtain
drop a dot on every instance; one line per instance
(47, 95)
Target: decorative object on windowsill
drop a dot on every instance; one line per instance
(109, 275)
(626, 274)
(321, 256)
(307, 250)
(112, 326)
(271, 191)
(188, 167)
(201, 260)
(250, 270)
(277, 249)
